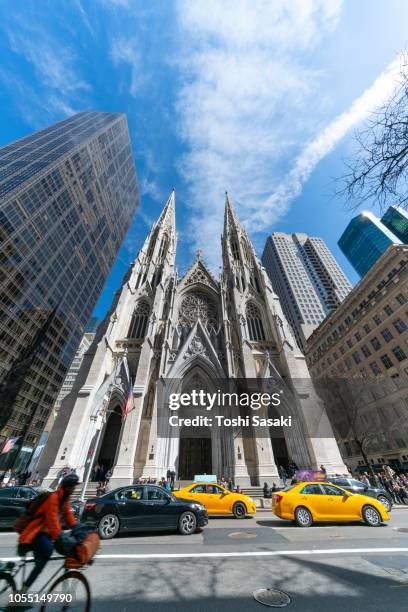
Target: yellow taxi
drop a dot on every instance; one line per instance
(218, 499)
(309, 502)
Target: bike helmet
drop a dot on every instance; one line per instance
(71, 480)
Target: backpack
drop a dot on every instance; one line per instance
(25, 519)
(84, 552)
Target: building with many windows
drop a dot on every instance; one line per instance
(306, 277)
(197, 333)
(68, 194)
(395, 219)
(365, 342)
(366, 237)
(72, 373)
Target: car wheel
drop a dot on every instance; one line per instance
(187, 523)
(385, 502)
(371, 516)
(108, 526)
(303, 517)
(239, 510)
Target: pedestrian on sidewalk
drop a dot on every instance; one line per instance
(283, 475)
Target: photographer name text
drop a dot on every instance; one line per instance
(221, 421)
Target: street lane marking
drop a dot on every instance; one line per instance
(260, 553)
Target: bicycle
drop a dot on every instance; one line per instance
(70, 589)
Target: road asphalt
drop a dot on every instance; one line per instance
(329, 567)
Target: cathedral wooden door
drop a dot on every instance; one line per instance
(194, 458)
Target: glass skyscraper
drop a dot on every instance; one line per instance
(366, 238)
(67, 197)
(307, 279)
(396, 220)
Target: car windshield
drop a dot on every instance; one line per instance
(356, 483)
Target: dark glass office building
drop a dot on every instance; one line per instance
(364, 240)
(67, 197)
(396, 220)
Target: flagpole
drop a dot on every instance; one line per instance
(102, 415)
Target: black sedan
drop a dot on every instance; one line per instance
(355, 486)
(142, 507)
(14, 501)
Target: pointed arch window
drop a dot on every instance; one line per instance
(140, 320)
(246, 250)
(235, 249)
(163, 247)
(152, 242)
(254, 321)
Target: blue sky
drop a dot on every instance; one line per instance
(259, 98)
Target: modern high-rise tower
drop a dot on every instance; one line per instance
(67, 197)
(395, 219)
(307, 279)
(364, 240)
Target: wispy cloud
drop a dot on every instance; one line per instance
(246, 74)
(125, 51)
(84, 17)
(116, 3)
(60, 89)
(291, 186)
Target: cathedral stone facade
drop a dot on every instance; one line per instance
(195, 330)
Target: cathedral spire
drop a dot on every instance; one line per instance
(168, 215)
(230, 216)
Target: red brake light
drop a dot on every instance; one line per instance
(277, 498)
(90, 506)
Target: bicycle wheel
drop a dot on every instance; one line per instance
(69, 592)
(7, 588)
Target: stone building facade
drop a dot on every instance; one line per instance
(195, 329)
(365, 341)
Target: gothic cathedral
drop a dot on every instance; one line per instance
(195, 329)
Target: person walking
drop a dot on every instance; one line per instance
(283, 475)
(107, 478)
(266, 491)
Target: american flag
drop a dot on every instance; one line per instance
(129, 400)
(9, 445)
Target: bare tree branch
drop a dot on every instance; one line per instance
(379, 171)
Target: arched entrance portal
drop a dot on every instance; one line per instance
(194, 453)
(111, 436)
(280, 452)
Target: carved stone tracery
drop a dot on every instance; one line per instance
(198, 306)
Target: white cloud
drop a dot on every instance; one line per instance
(291, 186)
(251, 109)
(84, 17)
(116, 3)
(125, 50)
(151, 188)
(60, 86)
(243, 87)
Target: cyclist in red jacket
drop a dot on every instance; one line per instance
(45, 526)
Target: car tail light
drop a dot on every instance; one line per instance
(90, 506)
(277, 498)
